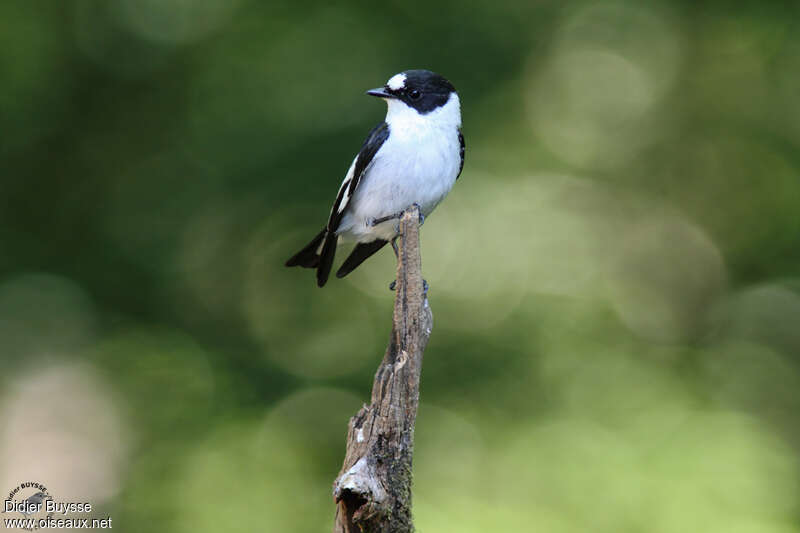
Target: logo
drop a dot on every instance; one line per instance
(30, 500)
(29, 506)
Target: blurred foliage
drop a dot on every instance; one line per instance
(615, 278)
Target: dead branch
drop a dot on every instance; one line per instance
(373, 489)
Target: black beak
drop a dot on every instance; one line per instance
(380, 92)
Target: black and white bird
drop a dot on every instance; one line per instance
(413, 157)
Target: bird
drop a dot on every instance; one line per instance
(414, 157)
(34, 503)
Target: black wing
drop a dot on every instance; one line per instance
(461, 142)
(371, 145)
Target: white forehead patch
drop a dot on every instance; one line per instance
(397, 82)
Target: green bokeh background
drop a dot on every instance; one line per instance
(615, 277)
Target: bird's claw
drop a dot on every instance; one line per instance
(419, 210)
(381, 220)
(372, 222)
(425, 286)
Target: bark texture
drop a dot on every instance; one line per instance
(373, 489)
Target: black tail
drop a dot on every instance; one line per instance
(326, 258)
(359, 254)
(308, 256)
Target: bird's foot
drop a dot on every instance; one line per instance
(375, 221)
(425, 286)
(419, 210)
(372, 222)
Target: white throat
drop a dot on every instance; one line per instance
(401, 115)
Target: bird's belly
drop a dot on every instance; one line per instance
(403, 174)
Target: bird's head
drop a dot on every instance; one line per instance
(38, 497)
(420, 93)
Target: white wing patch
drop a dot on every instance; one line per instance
(346, 185)
(397, 82)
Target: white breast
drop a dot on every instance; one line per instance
(418, 163)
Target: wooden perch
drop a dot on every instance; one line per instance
(373, 490)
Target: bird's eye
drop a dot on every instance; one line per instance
(414, 94)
